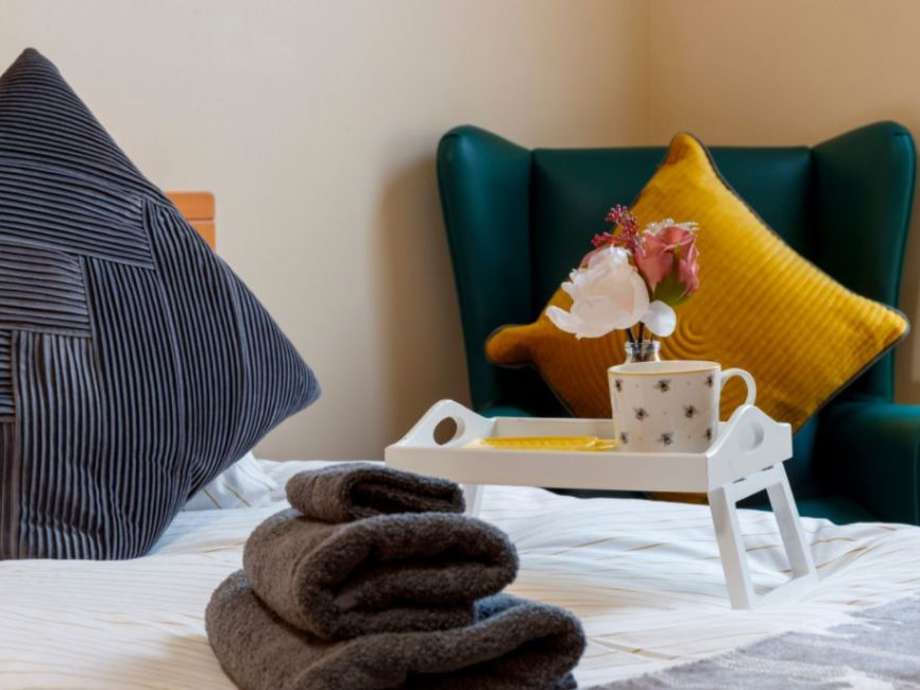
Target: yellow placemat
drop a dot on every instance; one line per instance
(546, 443)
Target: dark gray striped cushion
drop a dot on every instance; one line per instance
(134, 365)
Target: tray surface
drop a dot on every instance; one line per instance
(747, 442)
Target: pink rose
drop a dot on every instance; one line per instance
(688, 269)
(667, 256)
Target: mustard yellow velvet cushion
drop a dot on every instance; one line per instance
(760, 306)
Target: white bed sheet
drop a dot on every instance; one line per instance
(644, 578)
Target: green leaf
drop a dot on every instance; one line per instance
(670, 290)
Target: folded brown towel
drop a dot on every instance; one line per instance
(350, 491)
(512, 645)
(390, 573)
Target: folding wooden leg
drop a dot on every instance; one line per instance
(472, 495)
(731, 549)
(722, 503)
(790, 528)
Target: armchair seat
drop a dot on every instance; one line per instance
(518, 219)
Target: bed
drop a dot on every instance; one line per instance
(643, 576)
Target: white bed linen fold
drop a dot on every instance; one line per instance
(644, 577)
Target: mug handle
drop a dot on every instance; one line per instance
(748, 383)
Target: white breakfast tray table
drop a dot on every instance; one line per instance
(746, 457)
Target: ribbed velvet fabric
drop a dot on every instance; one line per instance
(761, 307)
(134, 365)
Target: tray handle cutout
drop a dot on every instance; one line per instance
(469, 426)
(744, 432)
(749, 441)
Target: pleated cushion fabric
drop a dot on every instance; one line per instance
(760, 306)
(134, 365)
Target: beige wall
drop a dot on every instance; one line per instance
(791, 72)
(315, 123)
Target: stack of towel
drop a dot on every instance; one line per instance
(374, 580)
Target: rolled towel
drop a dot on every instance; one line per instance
(355, 490)
(513, 644)
(390, 573)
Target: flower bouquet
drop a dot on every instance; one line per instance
(632, 279)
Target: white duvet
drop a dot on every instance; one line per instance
(644, 578)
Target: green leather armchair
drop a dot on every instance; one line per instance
(518, 220)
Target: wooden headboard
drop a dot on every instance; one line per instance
(198, 209)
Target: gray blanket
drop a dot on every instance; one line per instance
(511, 645)
(341, 493)
(391, 573)
(879, 648)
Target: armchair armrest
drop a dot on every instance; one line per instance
(871, 450)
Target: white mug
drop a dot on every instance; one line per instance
(670, 406)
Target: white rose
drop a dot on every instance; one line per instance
(607, 295)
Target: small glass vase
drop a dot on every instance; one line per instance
(645, 350)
